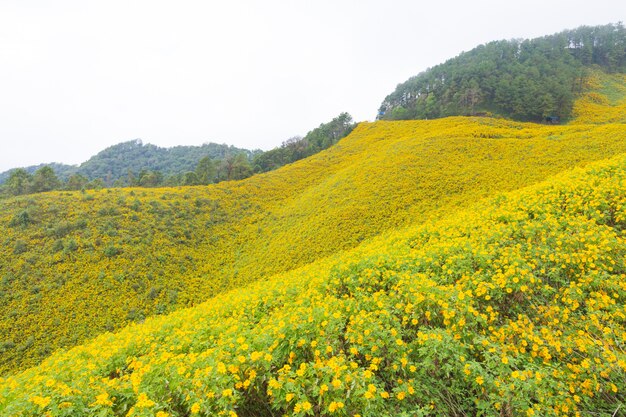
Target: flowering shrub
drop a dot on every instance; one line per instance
(512, 308)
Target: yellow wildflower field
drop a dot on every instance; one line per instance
(513, 307)
(74, 265)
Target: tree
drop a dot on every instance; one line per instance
(206, 171)
(235, 167)
(76, 182)
(327, 134)
(190, 178)
(241, 167)
(44, 180)
(95, 184)
(19, 182)
(548, 105)
(150, 178)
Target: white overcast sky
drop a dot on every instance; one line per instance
(78, 76)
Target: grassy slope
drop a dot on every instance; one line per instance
(74, 265)
(512, 308)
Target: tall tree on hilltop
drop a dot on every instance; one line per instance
(19, 182)
(44, 180)
(206, 171)
(76, 182)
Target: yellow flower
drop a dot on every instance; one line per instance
(274, 383)
(143, 401)
(195, 408)
(334, 406)
(42, 402)
(103, 399)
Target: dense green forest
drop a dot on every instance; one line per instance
(115, 163)
(528, 80)
(135, 164)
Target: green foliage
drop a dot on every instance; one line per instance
(44, 180)
(296, 148)
(234, 167)
(22, 218)
(152, 164)
(19, 182)
(111, 251)
(19, 247)
(523, 80)
(63, 171)
(76, 182)
(205, 173)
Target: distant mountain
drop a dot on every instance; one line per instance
(528, 80)
(117, 161)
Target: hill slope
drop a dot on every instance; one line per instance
(518, 79)
(603, 100)
(513, 308)
(76, 264)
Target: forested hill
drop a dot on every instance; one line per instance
(528, 80)
(116, 162)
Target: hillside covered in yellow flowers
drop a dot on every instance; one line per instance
(603, 100)
(512, 308)
(77, 264)
(451, 259)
